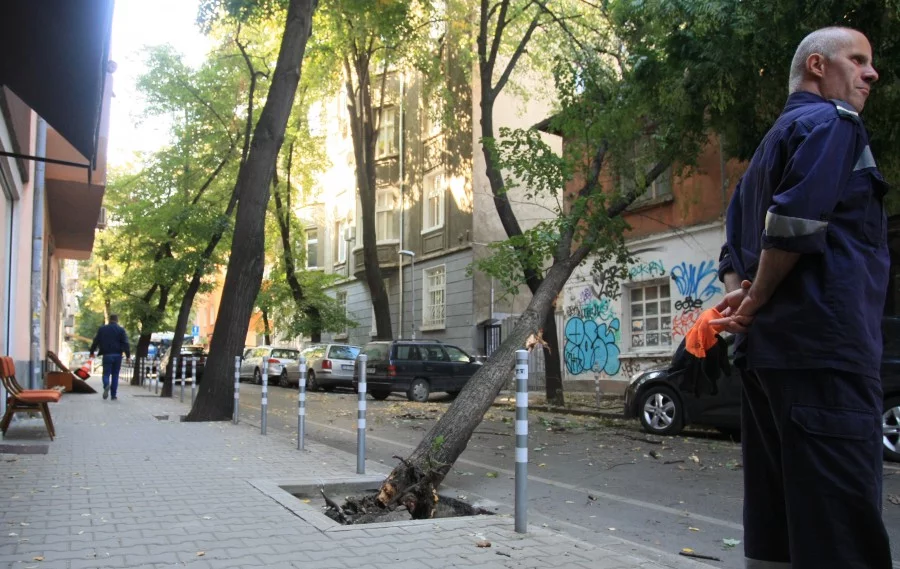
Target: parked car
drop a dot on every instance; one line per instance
(282, 365)
(665, 402)
(416, 368)
(187, 352)
(329, 366)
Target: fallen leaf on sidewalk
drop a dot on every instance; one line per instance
(894, 499)
(482, 543)
(38, 557)
(694, 529)
(201, 553)
(695, 458)
(491, 475)
(728, 542)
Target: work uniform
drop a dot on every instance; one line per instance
(811, 410)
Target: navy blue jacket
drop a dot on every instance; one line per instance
(812, 187)
(111, 340)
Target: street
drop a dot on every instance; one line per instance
(588, 476)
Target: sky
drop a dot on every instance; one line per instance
(136, 24)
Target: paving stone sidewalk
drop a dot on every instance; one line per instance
(121, 487)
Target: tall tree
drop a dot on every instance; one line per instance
(245, 264)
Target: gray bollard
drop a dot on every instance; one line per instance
(237, 389)
(521, 440)
(361, 417)
(301, 406)
(156, 376)
(183, 374)
(193, 379)
(264, 407)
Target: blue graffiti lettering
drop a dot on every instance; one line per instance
(700, 283)
(591, 347)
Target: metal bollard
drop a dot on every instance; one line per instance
(521, 440)
(183, 373)
(301, 406)
(361, 417)
(193, 379)
(237, 389)
(264, 407)
(156, 376)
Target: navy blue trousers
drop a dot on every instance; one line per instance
(812, 450)
(112, 363)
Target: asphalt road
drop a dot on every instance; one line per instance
(588, 476)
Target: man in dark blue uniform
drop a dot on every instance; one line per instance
(806, 269)
(112, 341)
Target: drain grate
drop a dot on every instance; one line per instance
(161, 417)
(24, 449)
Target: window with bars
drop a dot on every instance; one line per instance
(341, 297)
(651, 317)
(433, 311)
(433, 211)
(387, 134)
(312, 248)
(385, 214)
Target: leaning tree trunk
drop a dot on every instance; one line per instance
(413, 482)
(243, 277)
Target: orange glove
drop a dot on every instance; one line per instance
(702, 335)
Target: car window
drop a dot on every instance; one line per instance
(314, 352)
(434, 353)
(284, 354)
(343, 353)
(376, 351)
(456, 355)
(260, 352)
(406, 352)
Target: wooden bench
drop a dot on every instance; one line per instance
(19, 400)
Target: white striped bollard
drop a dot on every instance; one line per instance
(237, 389)
(301, 406)
(521, 440)
(183, 374)
(361, 417)
(156, 375)
(264, 407)
(193, 379)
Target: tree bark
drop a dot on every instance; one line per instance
(434, 456)
(215, 400)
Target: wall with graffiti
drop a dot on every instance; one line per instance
(614, 328)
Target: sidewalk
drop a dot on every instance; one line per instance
(121, 487)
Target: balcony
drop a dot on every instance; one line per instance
(388, 259)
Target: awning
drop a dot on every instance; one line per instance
(53, 56)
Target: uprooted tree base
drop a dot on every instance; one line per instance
(418, 500)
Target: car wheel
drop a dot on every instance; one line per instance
(380, 395)
(660, 411)
(283, 380)
(890, 424)
(311, 383)
(418, 390)
(257, 377)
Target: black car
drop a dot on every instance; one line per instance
(415, 367)
(665, 402)
(187, 352)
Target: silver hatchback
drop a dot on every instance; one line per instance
(329, 366)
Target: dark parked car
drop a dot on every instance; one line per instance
(187, 352)
(665, 401)
(416, 368)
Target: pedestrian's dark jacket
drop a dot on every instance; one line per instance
(813, 188)
(111, 339)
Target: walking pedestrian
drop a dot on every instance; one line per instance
(805, 266)
(112, 341)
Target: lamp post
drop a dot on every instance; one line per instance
(412, 278)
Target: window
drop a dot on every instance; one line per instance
(340, 238)
(312, 248)
(433, 209)
(341, 298)
(651, 317)
(432, 117)
(385, 214)
(456, 355)
(387, 134)
(434, 292)
(406, 352)
(661, 187)
(343, 353)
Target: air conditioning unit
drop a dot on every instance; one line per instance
(350, 233)
(101, 219)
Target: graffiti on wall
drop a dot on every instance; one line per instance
(591, 346)
(651, 269)
(696, 284)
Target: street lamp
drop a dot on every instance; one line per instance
(412, 259)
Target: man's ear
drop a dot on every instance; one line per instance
(815, 65)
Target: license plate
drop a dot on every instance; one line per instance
(370, 370)
(347, 367)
